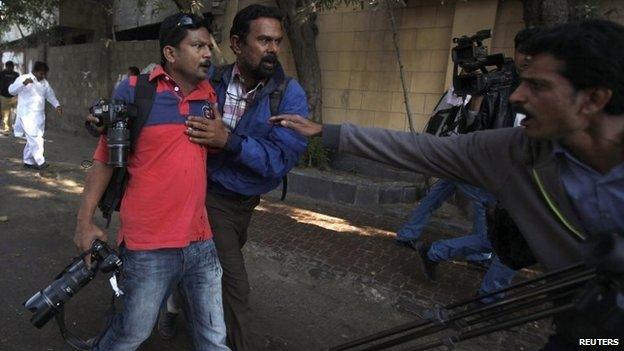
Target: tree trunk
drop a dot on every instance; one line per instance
(538, 13)
(555, 12)
(183, 5)
(301, 30)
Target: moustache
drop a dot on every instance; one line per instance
(520, 109)
(205, 64)
(269, 58)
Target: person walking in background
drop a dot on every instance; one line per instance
(133, 71)
(8, 102)
(32, 91)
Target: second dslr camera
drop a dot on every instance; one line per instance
(115, 115)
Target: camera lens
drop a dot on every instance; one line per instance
(118, 145)
(49, 301)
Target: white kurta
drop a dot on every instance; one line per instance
(30, 113)
(31, 100)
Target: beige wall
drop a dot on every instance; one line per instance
(360, 75)
(361, 82)
(508, 22)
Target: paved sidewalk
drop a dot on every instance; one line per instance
(342, 239)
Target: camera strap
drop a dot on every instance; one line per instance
(74, 341)
(143, 100)
(77, 342)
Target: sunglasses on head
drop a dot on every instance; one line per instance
(185, 21)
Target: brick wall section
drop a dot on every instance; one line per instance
(361, 82)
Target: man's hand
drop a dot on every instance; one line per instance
(95, 123)
(85, 235)
(27, 81)
(209, 132)
(59, 110)
(299, 124)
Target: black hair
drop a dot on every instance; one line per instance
(9, 64)
(134, 70)
(592, 55)
(40, 66)
(172, 31)
(523, 36)
(240, 26)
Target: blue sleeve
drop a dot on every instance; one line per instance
(125, 91)
(276, 154)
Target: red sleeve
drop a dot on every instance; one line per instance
(101, 151)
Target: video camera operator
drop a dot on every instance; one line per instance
(488, 110)
(496, 110)
(561, 177)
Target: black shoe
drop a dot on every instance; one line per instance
(40, 167)
(411, 244)
(166, 324)
(429, 266)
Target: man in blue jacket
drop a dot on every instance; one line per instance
(251, 154)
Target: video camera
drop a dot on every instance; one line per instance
(114, 116)
(48, 302)
(471, 55)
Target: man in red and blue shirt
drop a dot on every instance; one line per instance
(164, 237)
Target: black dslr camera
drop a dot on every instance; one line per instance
(46, 303)
(114, 116)
(471, 55)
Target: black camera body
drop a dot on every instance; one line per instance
(471, 55)
(115, 115)
(46, 303)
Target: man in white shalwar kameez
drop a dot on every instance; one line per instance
(32, 91)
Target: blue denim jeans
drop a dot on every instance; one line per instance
(474, 247)
(147, 278)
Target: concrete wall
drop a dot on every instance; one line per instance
(133, 53)
(80, 74)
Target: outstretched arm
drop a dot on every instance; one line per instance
(299, 124)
